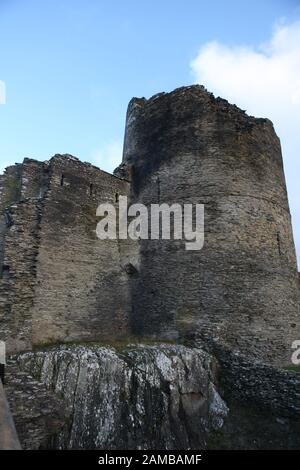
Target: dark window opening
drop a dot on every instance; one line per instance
(117, 197)
(131, 270)
(5, 271)
(8, 218)
(279, 242)
(62, 179)
(91, 189)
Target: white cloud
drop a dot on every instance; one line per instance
(265, 81)
(108, 157)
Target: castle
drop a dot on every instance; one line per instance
(60, 283)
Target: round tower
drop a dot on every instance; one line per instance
(241, 289)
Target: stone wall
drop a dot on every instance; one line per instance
(59, 282)
(82, 290)
(242, 287)
(20, 213)
(10, 186)
(264, 404)
(35, 178)
(17, 286)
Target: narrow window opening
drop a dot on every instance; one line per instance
(2, 361)
(279, 242)
(62, 179)
(8, 218)
(5, 271)
(91, 189)
(117, 197)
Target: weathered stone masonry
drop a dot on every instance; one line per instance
(235, 302)
(61, 284)
(241, 289)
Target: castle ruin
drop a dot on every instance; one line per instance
(61, 284)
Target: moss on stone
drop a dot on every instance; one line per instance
(293, 367)
(119, 344)
(13, 189)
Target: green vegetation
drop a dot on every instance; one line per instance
(119, 344)
(293, 368)
(13, 189)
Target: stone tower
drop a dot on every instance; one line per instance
(60, 283)
(241, 289)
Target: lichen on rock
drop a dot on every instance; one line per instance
(142, 397)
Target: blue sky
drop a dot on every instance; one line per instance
(70, 67)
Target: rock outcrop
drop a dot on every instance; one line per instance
(139, 397)
(158, 396)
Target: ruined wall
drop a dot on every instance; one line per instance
(10, 186)
(17, 281)
(240, 294)
(35, 177)
(241, 288)
(82, 290)
(59, 282)
(264, 404)
(19, 224)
